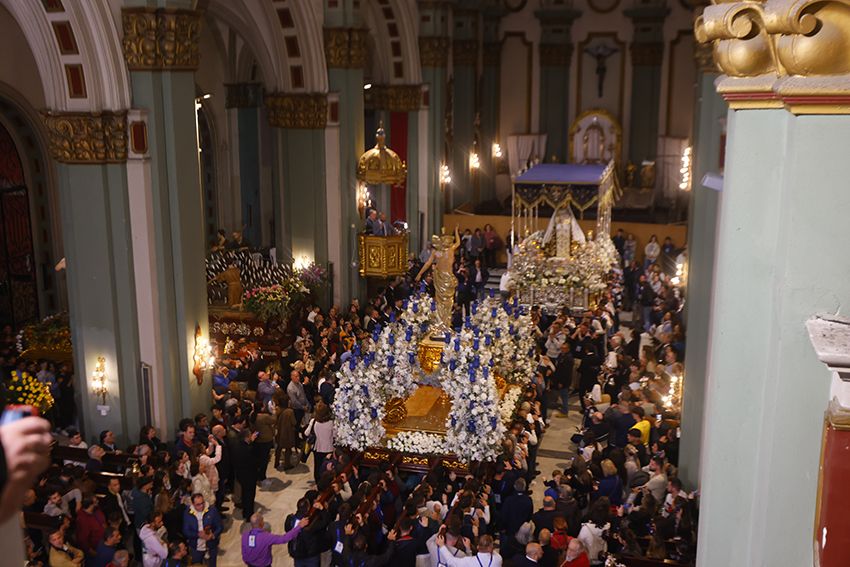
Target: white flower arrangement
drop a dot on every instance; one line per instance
(418, 442)
(507, 407)
(496, 338)
(551, 278)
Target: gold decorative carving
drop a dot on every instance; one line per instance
(87, 138)
(556, 54)
(157, 39)
(779, 53)
(395, 98)
(647, 54)
(434, 51)
(376, 258)
(429, 353)
(465, 52)
(299, 111)
(395, 411)
(345, 48)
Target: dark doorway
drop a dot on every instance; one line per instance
(18, 284)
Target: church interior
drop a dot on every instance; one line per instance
(410, 282)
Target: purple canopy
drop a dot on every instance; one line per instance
(562, 174)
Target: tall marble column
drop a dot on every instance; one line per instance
(556, 52)
(489, 101)
(710, 115)
(464, 188)
(245, 100)
(434, 45)
(91, 151)
(300, 120)
(345, 53)
(779, 260)
(163, 84)
(647, 52)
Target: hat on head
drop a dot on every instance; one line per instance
(639, 479)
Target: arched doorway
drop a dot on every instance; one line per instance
(18, 282)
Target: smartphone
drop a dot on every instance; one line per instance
(13, 413)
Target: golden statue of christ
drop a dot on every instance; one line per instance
(442, 258)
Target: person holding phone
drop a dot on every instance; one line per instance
(24, 454)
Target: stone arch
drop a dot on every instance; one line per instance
(78, 53)
(392, 25)
(285, 38)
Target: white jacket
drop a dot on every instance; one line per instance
(591, 536)
(154, 551)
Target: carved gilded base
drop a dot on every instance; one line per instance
(429, 354)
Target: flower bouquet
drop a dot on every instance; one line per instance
(272, 302)
(24, 389)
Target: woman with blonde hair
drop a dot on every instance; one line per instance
(610, 486)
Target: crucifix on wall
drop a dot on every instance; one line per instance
(601, 52)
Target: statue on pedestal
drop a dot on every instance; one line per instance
(442, 258)
(233, 279)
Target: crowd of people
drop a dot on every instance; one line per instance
(171, 499)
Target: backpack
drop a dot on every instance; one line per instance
(297, 547)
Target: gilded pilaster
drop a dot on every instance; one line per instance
(87, 138)
(161, 39)
(434, 51)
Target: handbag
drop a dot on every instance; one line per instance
(309, 442)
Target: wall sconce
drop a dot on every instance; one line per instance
(203, 357)
(474, 160)
(685, 170)
(302, 262)
(445, 174)
(98, 379)
(497, 150)
(364, 199)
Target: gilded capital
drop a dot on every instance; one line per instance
(161, 39)
(781, 53)
(87, 138)
(434, 51)
(556, 54)
(345, 48)
(465, 52)
(297, 111)
(395, 98)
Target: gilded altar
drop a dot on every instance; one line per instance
(382, 256)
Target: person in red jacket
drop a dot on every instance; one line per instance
(91, 524)
(576, 555)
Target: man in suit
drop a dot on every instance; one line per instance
(533, 555)
(373, 224)
(479, 278)
(516, 510)
(562, 377)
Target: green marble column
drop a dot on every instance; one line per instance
(647, 52)
(300, 146)
(434, 46)
(165, 88)
(245, 99)
(710, 114)
(465, 188)
(94, 210)
(556, 51)
(489, 101)
(345, 53)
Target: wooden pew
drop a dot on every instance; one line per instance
(40, 521)
(117, 462)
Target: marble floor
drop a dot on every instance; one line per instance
(279, 499)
